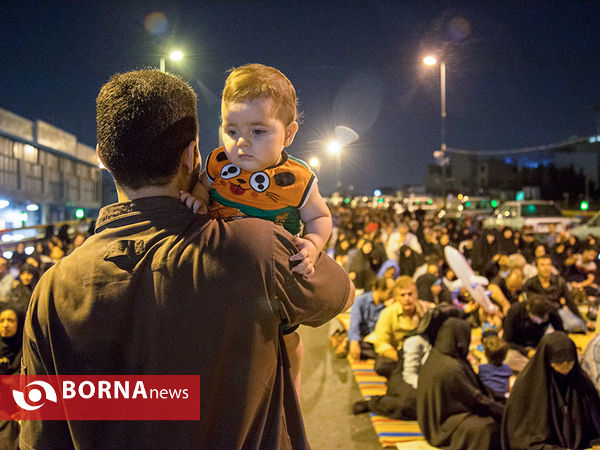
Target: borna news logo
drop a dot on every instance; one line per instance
(35, 395)
(100, 397)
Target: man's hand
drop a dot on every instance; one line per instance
(307, 256)
(355, 350)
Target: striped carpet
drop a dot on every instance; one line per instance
(389, 431)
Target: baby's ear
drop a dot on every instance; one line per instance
(290, 133)
(221, 157)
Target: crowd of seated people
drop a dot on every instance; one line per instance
(18, 277)
(459, 391)
(415, 319)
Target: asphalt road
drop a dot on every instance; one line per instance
(328, 392)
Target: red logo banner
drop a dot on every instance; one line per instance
(100, 397)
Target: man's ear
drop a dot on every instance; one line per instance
(99, 158)
(191, 155)
(290, 133)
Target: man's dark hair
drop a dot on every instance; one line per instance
(537, 260)
(495, 349)
(538, 304)
(379, 284)
(145, 120)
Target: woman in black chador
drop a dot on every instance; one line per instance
(454, 409)
(11, 350)
(484, 258)
(553, 403)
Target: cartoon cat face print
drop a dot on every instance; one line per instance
(244, 185)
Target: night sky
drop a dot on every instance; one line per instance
(519, 73)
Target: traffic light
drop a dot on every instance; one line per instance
(584, 205)
(494, 203)
(79, 213)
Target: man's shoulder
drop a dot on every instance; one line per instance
(532, 283)
(245, 237)
(248, 236)
(253, 239)
(557, 280)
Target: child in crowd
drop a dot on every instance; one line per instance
(495, 375)
(252, 175)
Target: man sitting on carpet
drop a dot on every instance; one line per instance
(363, 317)
(395, 322)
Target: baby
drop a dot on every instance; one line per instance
(252, 175)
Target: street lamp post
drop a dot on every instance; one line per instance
(175, 55)
(315, 165)
(431, 61)
(441, 154)
(443, 95)
(335, 149)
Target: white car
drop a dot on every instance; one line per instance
(537, 214)
(592, 227)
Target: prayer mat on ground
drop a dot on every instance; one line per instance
(389, 431)
(582, 340)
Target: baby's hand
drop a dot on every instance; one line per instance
(195, 204)
(307, 256)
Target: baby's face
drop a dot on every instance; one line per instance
(253, 135)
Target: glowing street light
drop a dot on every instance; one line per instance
(430, 60)
(334, 148)
(314, 162)
(175, 55)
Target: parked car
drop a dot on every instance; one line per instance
(467, 207)
(537, 214)
(592, 227)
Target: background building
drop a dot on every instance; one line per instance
(46, 175)
(566, 171)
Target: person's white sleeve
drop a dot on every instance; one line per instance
(415, 350)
